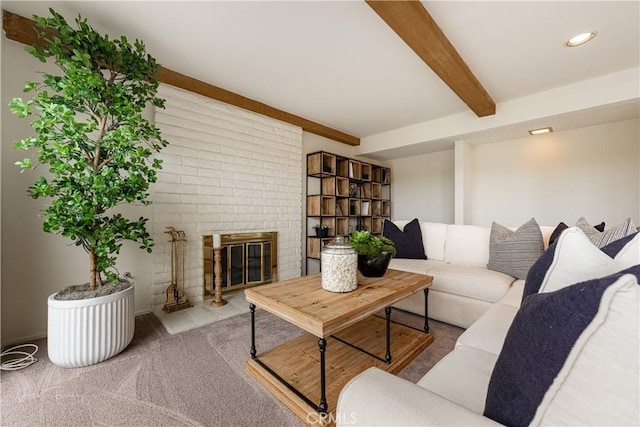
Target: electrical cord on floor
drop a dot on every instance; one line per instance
(16, 363)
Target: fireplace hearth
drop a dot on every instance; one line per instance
(248, 259)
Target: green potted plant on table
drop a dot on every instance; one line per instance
(374, 252)
(98, 149)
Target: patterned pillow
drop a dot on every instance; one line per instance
(571, 357)
(408, 241)
(612, 234)
(574, 258)
(514, 252)
(562, 226)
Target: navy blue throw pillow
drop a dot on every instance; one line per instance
(537, 345)
(408, 241)
(538, 270)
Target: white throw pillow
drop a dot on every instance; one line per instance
(577, 260)
(600, 381)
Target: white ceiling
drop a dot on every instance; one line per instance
(337, 63)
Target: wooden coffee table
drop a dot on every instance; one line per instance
(342, 328)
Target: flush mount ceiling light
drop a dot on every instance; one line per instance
(541, 131)
(580, 39)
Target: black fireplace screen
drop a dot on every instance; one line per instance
(246, 264)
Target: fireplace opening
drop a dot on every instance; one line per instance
(248, 259)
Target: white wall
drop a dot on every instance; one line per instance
(591, 172)
(312, 143)
(423, 187)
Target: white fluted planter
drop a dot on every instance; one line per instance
(86, 332)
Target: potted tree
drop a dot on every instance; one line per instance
(374, 252)
(99, 151)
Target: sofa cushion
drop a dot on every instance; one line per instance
(378, 398)
(601, 239)
(470, 281)
(467, 245)
(408, 241)
(573, 258)
(513, 296)
(562, 226)
(419, 266)
(462, 376)
(514, 252)
(558, 356)
(489, 331)
(434, 236)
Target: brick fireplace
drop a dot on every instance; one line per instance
(228, 170)
(248, 259)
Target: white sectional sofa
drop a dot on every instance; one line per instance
(463, 287)
(452, 393)
(597, 380)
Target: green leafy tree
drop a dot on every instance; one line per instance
(91, 134)
(371, 245)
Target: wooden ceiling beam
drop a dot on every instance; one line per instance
(21, 29)
(176, 79)
(411, 21)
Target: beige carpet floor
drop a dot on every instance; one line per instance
(194, 378)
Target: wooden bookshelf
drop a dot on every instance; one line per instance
(345, 194)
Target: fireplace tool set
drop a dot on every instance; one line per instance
(176, 298)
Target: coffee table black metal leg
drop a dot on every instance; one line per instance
(322, 407)
(252, 309)
(387, 313)
(426, 309)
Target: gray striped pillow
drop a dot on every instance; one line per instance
(602, 239)
(514, 252)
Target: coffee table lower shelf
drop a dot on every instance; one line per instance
(298, 363)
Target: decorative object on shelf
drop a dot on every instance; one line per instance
(339, 263)
(176, 298)
(217, 272)
(374, 253)
(322, 230)
(353, 190)
(99, 152)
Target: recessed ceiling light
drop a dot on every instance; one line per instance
(541, 131)
(580, 39)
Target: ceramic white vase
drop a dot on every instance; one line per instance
(86, 332)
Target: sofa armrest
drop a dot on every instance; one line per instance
(377, 398)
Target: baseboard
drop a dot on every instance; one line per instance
(23, 340)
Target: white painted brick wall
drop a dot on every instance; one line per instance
(225, 170)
